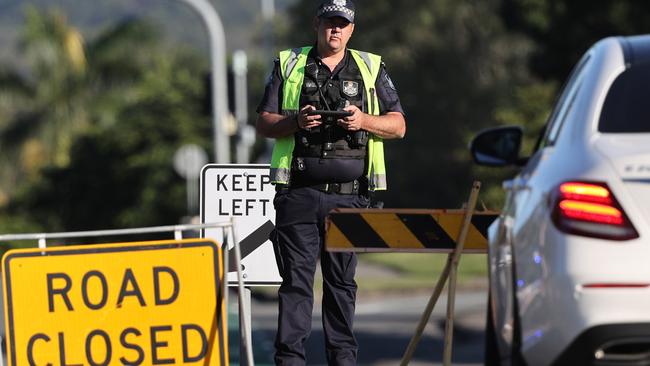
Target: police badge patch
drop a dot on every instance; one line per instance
(350, 88)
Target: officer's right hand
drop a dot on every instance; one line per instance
(305, 121)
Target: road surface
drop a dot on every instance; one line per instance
(384, 325)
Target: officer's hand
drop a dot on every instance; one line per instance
(353, 122)
(305, 121)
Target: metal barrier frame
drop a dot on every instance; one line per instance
(448, 275)
(226, 227)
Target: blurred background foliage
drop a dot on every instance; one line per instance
(94, 103)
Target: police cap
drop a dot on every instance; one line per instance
(337, 8)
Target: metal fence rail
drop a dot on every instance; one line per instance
(177, 229)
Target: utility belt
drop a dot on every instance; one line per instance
(355, 187)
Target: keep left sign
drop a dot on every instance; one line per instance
(245, 193)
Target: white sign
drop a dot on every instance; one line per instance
(244, 192)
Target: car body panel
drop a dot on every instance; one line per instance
(631, 161)
(539, 275)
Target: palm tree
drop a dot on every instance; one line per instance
(67, 86)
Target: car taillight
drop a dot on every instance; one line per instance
(590, 209)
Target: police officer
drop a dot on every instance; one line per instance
(321, 161)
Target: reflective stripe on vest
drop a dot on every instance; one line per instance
(292, 69)
(368, 64)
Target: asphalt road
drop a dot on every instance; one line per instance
(384, 325)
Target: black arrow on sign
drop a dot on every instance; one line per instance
(248, 245)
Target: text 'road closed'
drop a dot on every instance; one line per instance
(122, 304)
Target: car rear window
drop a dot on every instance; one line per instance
(627, 108)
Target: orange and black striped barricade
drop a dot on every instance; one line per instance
(405, 230)
(415, 231)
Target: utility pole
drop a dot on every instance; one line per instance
(268, 13)
(246, 133)
(219, 77)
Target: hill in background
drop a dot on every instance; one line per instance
(181, 25)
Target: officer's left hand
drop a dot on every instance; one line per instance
(353, 122)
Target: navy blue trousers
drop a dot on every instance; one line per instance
(300, 215)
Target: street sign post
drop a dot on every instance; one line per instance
(189, 159)
(129, 303)
(245, 193)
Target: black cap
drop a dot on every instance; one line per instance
(337, 8)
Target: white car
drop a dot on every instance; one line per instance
(569, 256)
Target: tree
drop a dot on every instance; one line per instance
(455, 67)
(138, 103)
(121, 175)
(42, 105)
(564, 29)
(66, 88)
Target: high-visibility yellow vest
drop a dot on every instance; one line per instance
(292, 67)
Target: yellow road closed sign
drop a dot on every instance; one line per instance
(147, 303)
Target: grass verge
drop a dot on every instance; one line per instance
(417, 270)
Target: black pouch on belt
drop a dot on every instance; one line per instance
(273, 237)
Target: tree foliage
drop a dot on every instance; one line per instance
(461, 66)
(454, 66)
(125, 110)
(563, 30)
(88, 128)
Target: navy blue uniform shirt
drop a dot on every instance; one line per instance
(335, 170)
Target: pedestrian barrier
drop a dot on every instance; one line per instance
(418, 231)
(143, 289)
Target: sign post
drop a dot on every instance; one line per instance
(134, 303)
(189, 159)
(243, 194)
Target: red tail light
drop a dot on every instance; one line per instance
(590, 209)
